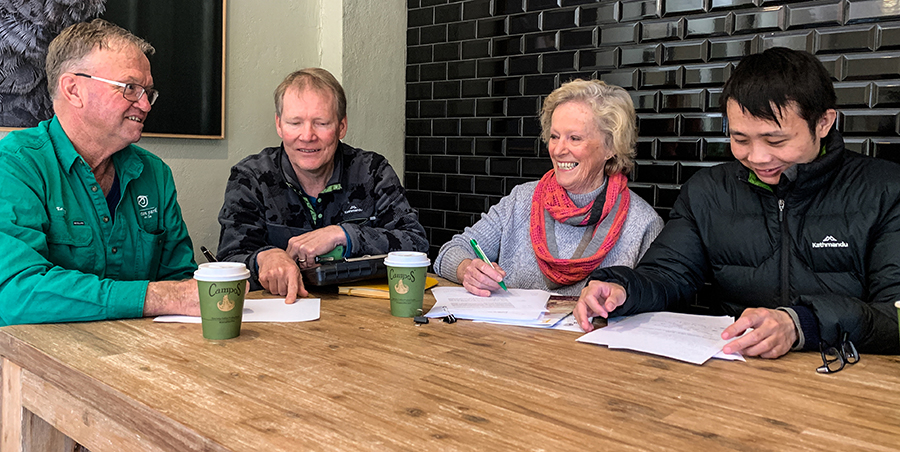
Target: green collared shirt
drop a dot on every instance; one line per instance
(64, 258)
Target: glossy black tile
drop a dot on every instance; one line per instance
(669, 77)
(659, 172)
(418, 163)
(446, 90)
(476, 88)
(473, 165)
(459, 146)
(433, 34)
(476, 49)
(412, 74)
(707, 75)
(640, 9)
(868, 122)
(523, 106)
(607, 59)
(731, 48)
(412, 109)
(689, 169)
(431, 217)
(577, 39)
(541, 42)
(476, 9)
(501, 127)
(888, 36)
(666, 30)
(444, 164)
(489, 107)
(489, 146)
(678, 7)
(531, 126)
(420, 17)
(412, 37)
(815, 14)
(461, 69)
(473, 127)
(433, 109)
(446, 52)
(535, 5)
(504, 166)
(490, 186)
(678, 149)
(462, 31)
(558, 62)
(716, 5)
(456, 220)
(473, 203)
(717, 150)
(431, 182)
(433, 71)
(448, 13)
(685, 52)
(645, 191)
(702, 124)
(645, 149)
(419, 200)
(502, 7)
(494, 67)
(521, 147)
(445, 127)
(605, 13)
(846, 39)
(858, 145)
(506, 46)
(539, 85)
(854, 95)
(619, 34)
(432, 146)
(871, 66)
(419, 54)
(886, 94)
(666, 196)
(463, 107)
(511, 86)
(536, 168)
(558, 19)
(870, 11)
(460, 184)
(445, 201)
(657, 125)
(712, 99)
(627, 79)
(418, 91)
(771, 19)
(640, 55)
(491, 27)
(524, 23)
(886, 149)
(432, 2)
(527, 64)
(709, 26)
(803, 40)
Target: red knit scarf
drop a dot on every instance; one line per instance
(551, 197)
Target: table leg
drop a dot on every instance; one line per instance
(11, 410)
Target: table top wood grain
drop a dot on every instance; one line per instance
(360, 379)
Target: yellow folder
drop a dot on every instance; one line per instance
(376, 290)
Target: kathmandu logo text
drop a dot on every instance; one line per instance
(830, 242)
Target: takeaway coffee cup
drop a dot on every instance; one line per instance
(222, 286)
(406, 281)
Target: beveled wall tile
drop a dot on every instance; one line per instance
(626, 79)
(855, 95)
(868, 122)
(815, 14)
(541, 42)
(462, 31)
(491, 27)
(524, 23)
(731, 48)
(682, 100)
(667, 30)
(886, 94)
(680, 149)
(476, 9)
(606, 13)
(888, 149)
(506, 46)
(871, 66)
(707, 75)
(555, 20)
(658, 125)
(488, 146)
(803, 40)
(686, 52)
(661, 77)
(558, 62)
(599, 59)
(641, 55)
(702, 124)
(619, 34)
(645, 101)
(731, 4)
(769, 19)
(888, 36)
(852, 39)
(709, 26)
(640, 9)
(677, 7)
(527, 64)
(870, 11)
(577, 39)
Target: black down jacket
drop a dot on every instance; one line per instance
(829, 241)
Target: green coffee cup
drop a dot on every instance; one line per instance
(406, 281)
(222, 286)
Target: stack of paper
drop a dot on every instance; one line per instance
(515, 305)
(685, 337)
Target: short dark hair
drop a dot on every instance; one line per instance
(781, 77)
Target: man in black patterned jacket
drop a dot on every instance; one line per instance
(313, 195)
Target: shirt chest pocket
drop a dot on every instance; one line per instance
(65, 231)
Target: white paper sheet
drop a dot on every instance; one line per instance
(685, 337)
(264, 310)
(516, 304)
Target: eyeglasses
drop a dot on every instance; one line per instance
(835, 357)
(130, 91)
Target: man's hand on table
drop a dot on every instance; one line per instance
(597, 299)
(773, 333)
(280, 275)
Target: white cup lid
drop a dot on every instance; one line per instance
(897, 304)
(222, 271)
(407, 259)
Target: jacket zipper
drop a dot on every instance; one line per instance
(785, 244)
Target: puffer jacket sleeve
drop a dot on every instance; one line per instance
(673, 268)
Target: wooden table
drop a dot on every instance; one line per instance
(360, 379)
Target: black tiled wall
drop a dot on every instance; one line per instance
(477, 72)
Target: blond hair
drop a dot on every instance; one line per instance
(317, 79)
(70, 48)
(614, 117)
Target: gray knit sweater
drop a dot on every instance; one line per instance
(504, 235)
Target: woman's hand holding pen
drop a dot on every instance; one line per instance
(478, 277)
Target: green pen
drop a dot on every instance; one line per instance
(481, 256)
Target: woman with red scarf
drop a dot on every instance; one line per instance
(550, 234)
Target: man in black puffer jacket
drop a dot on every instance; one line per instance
(800, 237)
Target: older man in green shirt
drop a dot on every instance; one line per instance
(90, 227)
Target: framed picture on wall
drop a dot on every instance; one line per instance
(188, 66)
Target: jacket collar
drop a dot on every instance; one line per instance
(334, 183)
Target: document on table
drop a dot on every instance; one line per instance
(515, 304)
(264, 310)
(685, 337)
